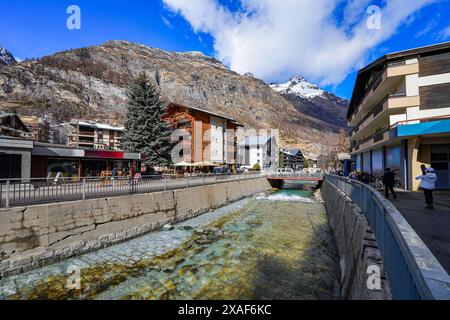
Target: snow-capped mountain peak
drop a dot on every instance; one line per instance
(299, 86)
(6, 57)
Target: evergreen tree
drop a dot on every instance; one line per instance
(145, 130)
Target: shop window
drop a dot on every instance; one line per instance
(440, 166)
(439, 157)
(367, 162)
(377, 162)
(10, 166)
(68, 168)
(393, 157)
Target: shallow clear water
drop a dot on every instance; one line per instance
(272, 246)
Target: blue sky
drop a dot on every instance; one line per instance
(234, 32)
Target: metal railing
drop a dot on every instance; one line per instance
(20, 192)
(296, 174)
(413, 271)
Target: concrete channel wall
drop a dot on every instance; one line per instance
(42, 234)
(358, 249)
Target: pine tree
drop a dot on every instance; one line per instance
(145, 129)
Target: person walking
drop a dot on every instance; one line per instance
(389, 183)
(423, 168)
(428, 184)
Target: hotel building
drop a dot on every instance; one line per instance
(292, 158)
(209, 140)
(400, 114)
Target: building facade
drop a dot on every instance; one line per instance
(15, 147)
(208, 135)
(15, 158)
(11, 125)
(259, 150)
(39, 128)
(24, 156)
(292, 158)
(89, 134)
(73, 163)
(400, 111)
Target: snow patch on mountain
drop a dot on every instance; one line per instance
(6, 57)
(298, 86)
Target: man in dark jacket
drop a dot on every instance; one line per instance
(389, 182)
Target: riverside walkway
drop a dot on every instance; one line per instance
(17, 192)
(413, 270)
(433, 226)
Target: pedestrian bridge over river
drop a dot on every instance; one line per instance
(277, 180)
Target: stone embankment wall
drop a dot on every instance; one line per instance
(41, 234)
(358, 249)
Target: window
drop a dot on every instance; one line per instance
(10, 166)
(367, 163)
(440, 166)
(393, 157)
(439, 157)
(358, 163)
(377, 161)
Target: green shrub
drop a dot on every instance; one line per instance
(257, 167)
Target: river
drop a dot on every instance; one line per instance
(274, 245)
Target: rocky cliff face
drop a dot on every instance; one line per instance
(6, 58)
(92, 82)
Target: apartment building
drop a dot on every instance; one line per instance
(292, 158)
(262, 150)
(400, 114)
(11, 125)
(39, 128)
(209, 140)
(94, 135)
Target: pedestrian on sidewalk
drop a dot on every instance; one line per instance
(389, 183)
(423, 168)
(428, 185)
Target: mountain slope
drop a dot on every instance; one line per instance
(6, 58)
(92, 82)
(310, 100)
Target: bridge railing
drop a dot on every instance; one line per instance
(295, 175)
(20, 192)
(413, 271)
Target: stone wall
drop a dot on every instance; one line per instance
(41, 234)
(358, 249)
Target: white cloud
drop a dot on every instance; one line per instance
(428, 28)
(275, 39)
(445, 33)
(354, 10)
(167, 22)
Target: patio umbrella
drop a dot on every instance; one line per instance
(207, 164)
(184, 164)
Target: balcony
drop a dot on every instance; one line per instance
(379, 114)
(380, 87)
(371, 141)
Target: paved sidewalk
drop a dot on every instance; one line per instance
(433, 226)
